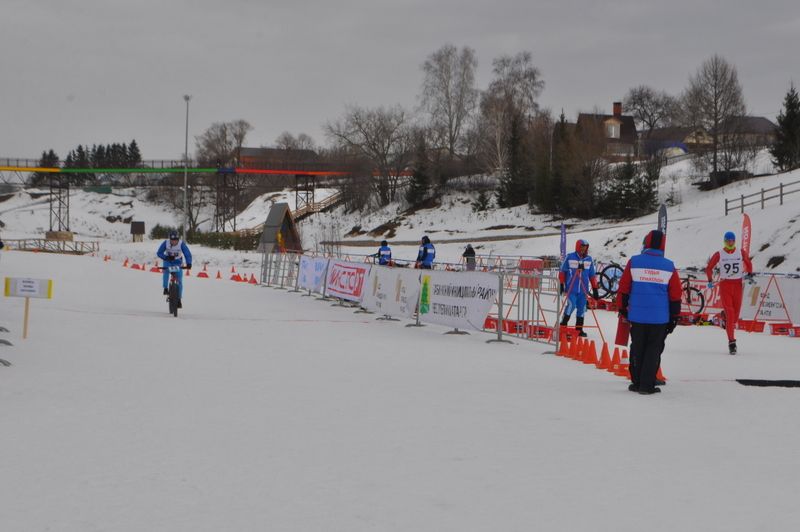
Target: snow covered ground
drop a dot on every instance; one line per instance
(259, 409)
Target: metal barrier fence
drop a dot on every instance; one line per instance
(279, 270)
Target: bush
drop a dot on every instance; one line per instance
(237, 241)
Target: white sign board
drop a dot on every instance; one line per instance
(25, 287)
(346, 280)
(392, 291)
(775, 298)
(457, 299)
(312, 273)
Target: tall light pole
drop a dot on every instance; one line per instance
(186, 98)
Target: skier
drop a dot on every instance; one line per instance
(426, 254)
(649, 297)
(577, 273)
(173, 251)
(733, 266)
(469, 258)
(384, 254)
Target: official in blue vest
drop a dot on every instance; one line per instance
(426, 254)
(576, 276)
(649, 297)
(384, 254)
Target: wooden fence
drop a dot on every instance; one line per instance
(761, 198)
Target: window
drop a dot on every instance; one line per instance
(612, 130)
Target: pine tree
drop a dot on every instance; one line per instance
(134, 155)
(49, 159)
(786, 150)
(516, 184)
(420, 180)
(481, 203)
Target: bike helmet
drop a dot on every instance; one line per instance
(580, 243)
(655, 240)
(173, 235)
(384, 243)
(729, 236)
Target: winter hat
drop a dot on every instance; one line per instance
(426, 240)
(384, 243)
(729, 236)
(655, 239)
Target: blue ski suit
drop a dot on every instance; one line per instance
(174, 255)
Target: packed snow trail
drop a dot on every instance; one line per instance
(258, 409)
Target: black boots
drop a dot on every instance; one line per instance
(166, 292)
(565, 321)
(579, 326)
(732, 347)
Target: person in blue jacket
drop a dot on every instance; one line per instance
(426, 254)
(649, 297)
(384, 254)
(173, 252)
(576, 275)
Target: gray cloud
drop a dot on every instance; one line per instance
(110, 71)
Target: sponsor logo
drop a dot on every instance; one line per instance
(347, 280)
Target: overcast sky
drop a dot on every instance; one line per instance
(103, 71)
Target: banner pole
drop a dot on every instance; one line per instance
(499, 338)
(25, 319)
(419, 302)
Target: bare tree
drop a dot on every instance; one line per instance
(220, 144)
(383, 136)
(514, 91)
(287, 141)
(448, 91)
(713, 100)
(650, 108)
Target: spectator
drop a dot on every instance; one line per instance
(469, 258)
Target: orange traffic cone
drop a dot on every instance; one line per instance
(563, 345)
(203, 274)
(660, 376)
(253, 279)
(125, 264)
(614, 367)
(155, 269)
(591, 354)
(219, 275)
(623, 365)
(135, 267)
(574, 347)
(233, 269)
(605, 360)
(236, 277)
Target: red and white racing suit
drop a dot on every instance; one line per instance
(732, 266)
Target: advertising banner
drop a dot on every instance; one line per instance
(312, 273)
(457, 299)
(346, 280)
(392, 291)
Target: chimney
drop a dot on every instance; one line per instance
(617, 108)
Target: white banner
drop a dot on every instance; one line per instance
(312, 273)
(346, 280)
(775, 299)
(392, 291)
(457, 299)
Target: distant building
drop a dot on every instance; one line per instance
(754, 131)
(675, 140)
(618, 131)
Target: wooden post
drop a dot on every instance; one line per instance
(762, 199)
(781, 193)
(741, 199)
(25, 319)
(726, 206)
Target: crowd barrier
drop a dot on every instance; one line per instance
(523, 304)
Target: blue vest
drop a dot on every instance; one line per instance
(426, 254)
(384, 255)
(649, 298)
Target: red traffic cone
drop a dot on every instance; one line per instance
(614, 367)
(591, 354)
(660, 376)
(622, 371)
(605, 360)
(125, 264)
(563, 345)
(253, 279)
(219, 275)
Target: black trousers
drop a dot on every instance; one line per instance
(647, 344)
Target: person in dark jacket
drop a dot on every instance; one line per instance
(469, 258)
(649, 297)
(426, 254)
(384, 254)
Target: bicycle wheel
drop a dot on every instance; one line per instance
(694, 300)
(173, 299)
(609, 281)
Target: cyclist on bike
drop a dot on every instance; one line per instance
(173, 251)
(733, 266)
(576, 275)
